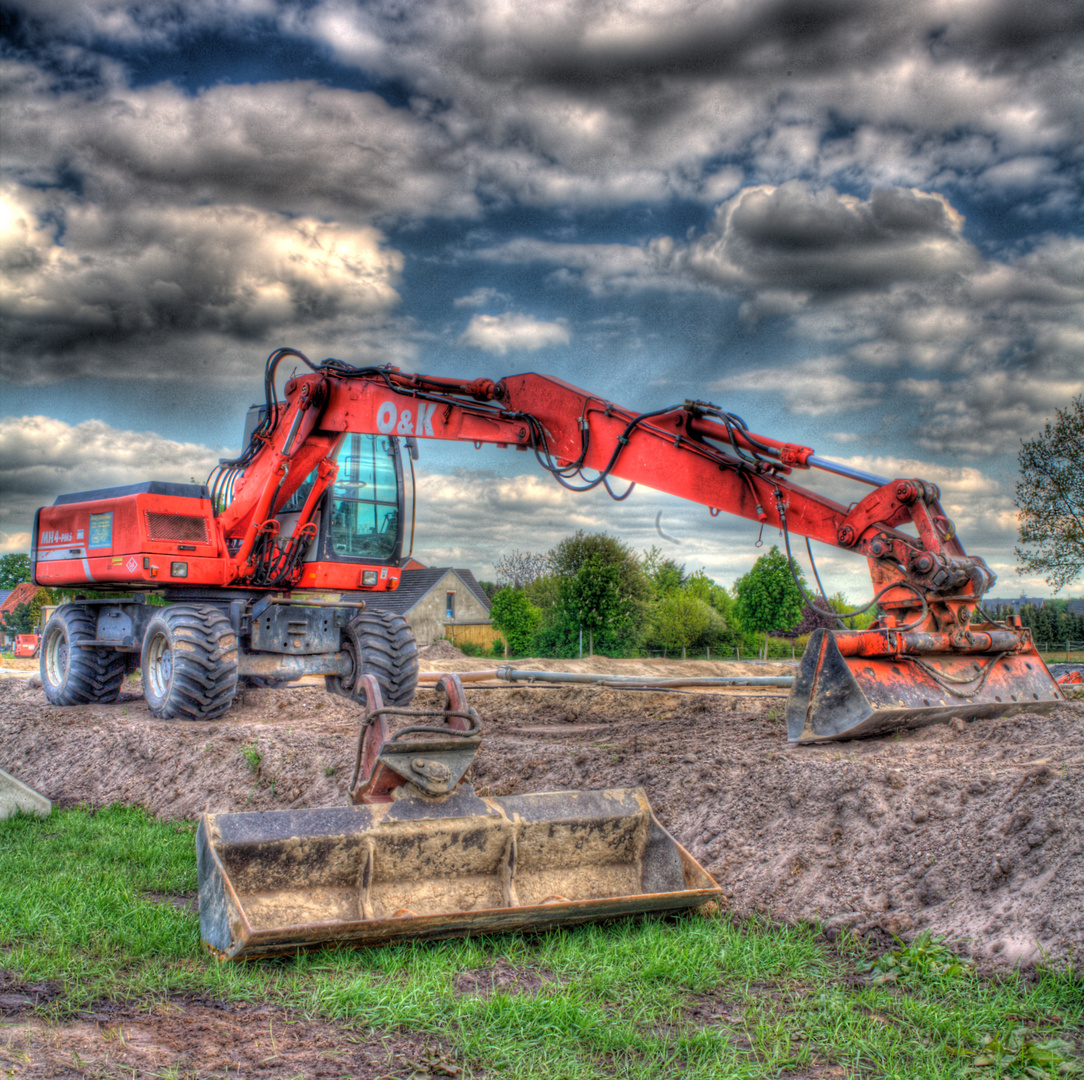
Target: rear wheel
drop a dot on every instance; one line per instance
(189, 663)
(72, 674)
(386, 647)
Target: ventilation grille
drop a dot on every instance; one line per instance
(179, 527)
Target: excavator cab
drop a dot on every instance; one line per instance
(359, 520)
(418, 855)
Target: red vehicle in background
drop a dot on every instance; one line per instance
(27, 644)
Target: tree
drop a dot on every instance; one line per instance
(570, 555)
(520, 568)
(665, 574)
(513, 613)
(814, 619)
(594, 601)
(703, 588)
(680, 619)
(841, 605)
(14, 570)
(603, 589)
(1050, 497)
(768, 597)
(19, 620)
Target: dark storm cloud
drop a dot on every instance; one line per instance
(296, 146)
(799, 239)
(791, 239)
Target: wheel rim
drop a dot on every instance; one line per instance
(56, 659)
(158, 672)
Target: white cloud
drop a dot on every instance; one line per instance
(41, 458)
(483, 296)
(815, 387)
(205, 273)
(513, 332)
(563, 103)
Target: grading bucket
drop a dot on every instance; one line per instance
(855, 684)
(420, 868)
(423, 857)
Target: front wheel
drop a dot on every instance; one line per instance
(382, 644)
(73, 673)
(189, 663)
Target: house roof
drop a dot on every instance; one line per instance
(4, 594)
(415, 585)
(23, 593)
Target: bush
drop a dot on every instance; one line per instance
(469, 648)
(517, 617)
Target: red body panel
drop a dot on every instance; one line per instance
(130, 540)
(346, 577)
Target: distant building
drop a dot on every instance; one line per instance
(1075, 607)
(991, 603)
(439, 601)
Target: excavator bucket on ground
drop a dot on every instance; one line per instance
(420, 856)
(852, 684)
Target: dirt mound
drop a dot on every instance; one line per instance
(969, 830)
(441, 650)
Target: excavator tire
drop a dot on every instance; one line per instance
(70, 674)
(189, 663)
(386, 645)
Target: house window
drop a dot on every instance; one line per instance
(450, 605)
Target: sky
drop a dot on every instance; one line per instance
(856, 223)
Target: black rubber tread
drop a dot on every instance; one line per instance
(91, 676)
(388, 651)
(204, 651)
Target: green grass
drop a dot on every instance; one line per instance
(82, 907)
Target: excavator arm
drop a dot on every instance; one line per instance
(931, 654)
(694, 451)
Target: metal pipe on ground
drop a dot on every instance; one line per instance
(511, 674)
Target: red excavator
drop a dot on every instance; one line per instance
(315, 504)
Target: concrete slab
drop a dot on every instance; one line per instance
(15, 795)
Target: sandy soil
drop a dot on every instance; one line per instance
(968, 830)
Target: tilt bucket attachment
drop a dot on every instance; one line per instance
(855, 683)
(420, 856)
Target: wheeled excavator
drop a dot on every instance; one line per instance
(265, 570)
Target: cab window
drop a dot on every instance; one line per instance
(364, 500)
